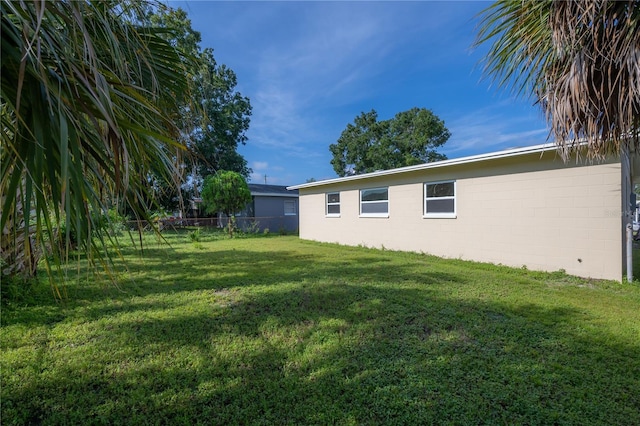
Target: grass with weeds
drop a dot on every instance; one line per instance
(274, 330)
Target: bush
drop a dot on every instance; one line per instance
(194, 235)
(111, 223)
(253, 227)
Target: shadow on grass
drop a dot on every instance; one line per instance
(287, 338)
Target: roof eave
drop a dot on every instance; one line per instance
(443, 163)
(274, 194)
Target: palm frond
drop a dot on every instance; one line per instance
(88, 99)
(580, 60)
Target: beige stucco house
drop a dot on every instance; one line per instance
(518, 207)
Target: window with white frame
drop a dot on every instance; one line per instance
(440, 199)
(374, 202)
(289, 207)
(333, 204)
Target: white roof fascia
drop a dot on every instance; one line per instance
(436, 164)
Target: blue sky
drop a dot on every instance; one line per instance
(310, 68)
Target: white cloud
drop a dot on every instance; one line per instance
(498, 126)
(271, 179)
(256, 177)
(487, 137)
(259, 165)
(310, 67)
(273, 174)
(334, 52)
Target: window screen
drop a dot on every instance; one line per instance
(440, 199)
(333, 203)
(374, 202)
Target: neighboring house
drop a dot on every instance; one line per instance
(272, 207)
(520, 207)
(194, 207)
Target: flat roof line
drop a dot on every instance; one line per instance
(443, 163)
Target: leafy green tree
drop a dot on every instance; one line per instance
(215, 117)
(226, 192)
(410, 138)
(578, 60)
(225, 119)
(88, 101)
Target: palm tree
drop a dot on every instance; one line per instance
(88, 106)
(579, 59)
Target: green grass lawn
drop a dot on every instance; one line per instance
(274, 330)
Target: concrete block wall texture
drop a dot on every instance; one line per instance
(528, 210)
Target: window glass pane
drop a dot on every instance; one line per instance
(333, 197)
(444, 189)
(440, 206)
(375, 194)
(381, 207)
(289, 207)
(333, 209)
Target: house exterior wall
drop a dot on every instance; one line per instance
(270, 213)
(529, 210)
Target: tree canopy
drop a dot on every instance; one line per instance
(88, 101)
(214, 118)
(225, 119)
(226, 192)
(409, 138)
(578, 60)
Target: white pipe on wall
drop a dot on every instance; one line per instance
(630, 252)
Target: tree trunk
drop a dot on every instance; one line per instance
(19, 250)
